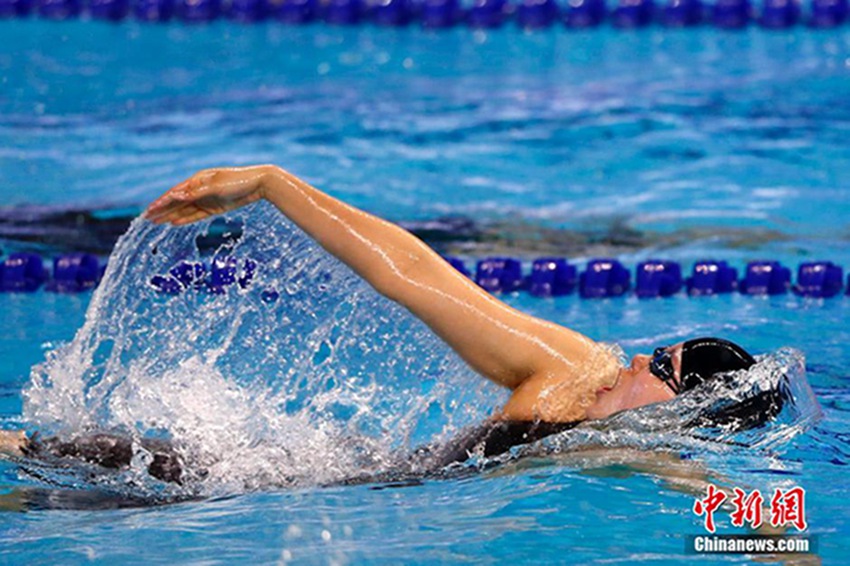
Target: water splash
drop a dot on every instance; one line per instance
(328, 381)
(680, 423)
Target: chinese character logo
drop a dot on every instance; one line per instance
(786, 508)
(747, 508)
(713, 500)
(789, 507)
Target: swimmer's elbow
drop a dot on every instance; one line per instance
(401, 279)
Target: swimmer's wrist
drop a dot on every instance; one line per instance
(268, 173)
(272, 180)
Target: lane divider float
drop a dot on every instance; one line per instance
(548, 277)
(435, 14)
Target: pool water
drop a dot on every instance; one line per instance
(708, 144)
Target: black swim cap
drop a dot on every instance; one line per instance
(706, 358)
(703, 358)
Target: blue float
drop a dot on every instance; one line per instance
(391, 12)
(15, 8)
(343, 12)
(110, 10)
(632, 13)
(440, 13)
(658, 278)
(487, 13)
(166, 284)
(153, 10)
(499, 274)
(765, 278)
(246, 11)
(58, 9)
(222, 274)
(731, 14)
(552, 277)
(585, 13)
(536, 14)
(682, 13)
(74, 272)
(779, 14)
(197, 11)
(603, 278)
(458, 264)
(711, 278)
(189, 273)
(828, 13)
(819, 279)
(293, 11)
(22, 272)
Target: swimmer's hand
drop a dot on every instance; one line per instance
(12, 443)
(208, 193)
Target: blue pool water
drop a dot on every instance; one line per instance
(706, 143)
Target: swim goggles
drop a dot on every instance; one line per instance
(661, 366)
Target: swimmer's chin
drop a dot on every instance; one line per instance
(607, 399)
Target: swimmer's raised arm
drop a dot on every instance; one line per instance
(511, 348)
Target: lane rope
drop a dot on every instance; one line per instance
(547, 276)
(435, 14)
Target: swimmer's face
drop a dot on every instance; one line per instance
(637, 386)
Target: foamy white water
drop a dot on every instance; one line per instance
(328, 381)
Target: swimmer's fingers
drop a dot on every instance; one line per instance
(179, 214)
(179, 195)
(190, 212)
(171, 212)
(166, 205)
(208, 192)
(199, 214)
(161, 206)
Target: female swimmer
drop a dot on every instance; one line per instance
(557, 376)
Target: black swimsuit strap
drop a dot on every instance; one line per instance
(497, 437)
